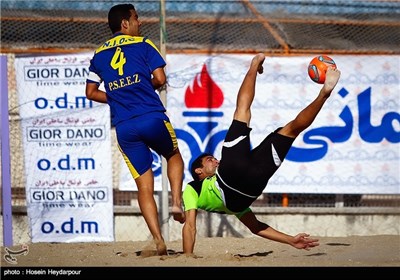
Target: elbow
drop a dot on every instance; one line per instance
(90, 92)
(159, 78)
(259, 228)
(158, 83)
(255, 231)
(89, 96)
(162, 80)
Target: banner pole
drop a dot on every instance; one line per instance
(5, 154)
(163, 95)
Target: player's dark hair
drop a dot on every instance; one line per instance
(118, 13)
(197, 163)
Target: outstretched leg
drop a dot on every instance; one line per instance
(247, 90)
(306, 117)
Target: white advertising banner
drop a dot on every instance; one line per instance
(67, 151)
(351, 148)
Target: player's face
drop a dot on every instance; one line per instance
(210, 165)
(134, 24)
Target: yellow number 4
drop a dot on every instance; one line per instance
(118, 61)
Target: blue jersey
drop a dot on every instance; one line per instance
(125, 65)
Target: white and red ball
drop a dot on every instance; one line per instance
(318, 66)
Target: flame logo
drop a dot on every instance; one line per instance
(205, 93)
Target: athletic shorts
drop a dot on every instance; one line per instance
(243, 172)
(137, 137)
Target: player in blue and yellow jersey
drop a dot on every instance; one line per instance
(230, 185)
(132, 69)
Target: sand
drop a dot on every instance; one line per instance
(354, 251)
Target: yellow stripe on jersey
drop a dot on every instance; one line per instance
(120, 40)
(148, 41)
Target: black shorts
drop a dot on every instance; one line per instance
(243, 173)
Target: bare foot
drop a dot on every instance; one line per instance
(258, 61)
(178, 214)
(331, 79)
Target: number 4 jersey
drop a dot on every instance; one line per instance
(125, 65)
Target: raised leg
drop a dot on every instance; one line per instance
(247, 90)
(306, 117)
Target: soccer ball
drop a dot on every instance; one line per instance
(318, 66)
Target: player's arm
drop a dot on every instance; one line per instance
(189, 231)
(156, 63)
(94, 93)
(190, 200)
(300, 241)
(159, 78)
